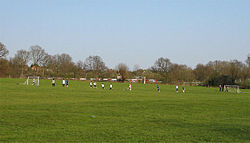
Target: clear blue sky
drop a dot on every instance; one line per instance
(130, 31)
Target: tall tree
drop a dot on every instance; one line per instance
(4, 67)
(79, 69)
(55, 65)
(37, 55)
(246, 70)
(245, 73)
(248, 60)
(61, 65)
(3, 50)
(46, 63)
(136, 67)
(180, 73)
(162, 67)
(235, 69)
(14, 67)
(66, 63)
(123, 71)
(96, 65)
(22, 58)
(202, 72)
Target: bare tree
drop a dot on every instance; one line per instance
(248, 60)
(95, 64)
(162, 67)
(65, 58)
(246, 69)
(78, 70)
(22, 58)
(235, 69)
(46, 63)
(3, 50)
(177, 73)
(122, 70)
(136, 67)
(149, 74)
(4, 67)
(245, 73)
(202, 72)
(46, 60)
(66, 63)
(80, 65)
(62, 65)
(37, 55)
(14, 67)
(137, 71)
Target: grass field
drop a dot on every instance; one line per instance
(79, 113)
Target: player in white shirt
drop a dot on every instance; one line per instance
(63, 82)
(130, 87)
(53, 82)
(176, 88)
(90, 84)
(94, 84)
(110, 86)
(102, 86)
(34, 81)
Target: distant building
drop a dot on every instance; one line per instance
(35, 68)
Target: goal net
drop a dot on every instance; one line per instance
(32, 80)
(232, 88)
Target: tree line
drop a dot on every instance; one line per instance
(36, 61)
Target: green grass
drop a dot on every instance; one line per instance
(81, 114)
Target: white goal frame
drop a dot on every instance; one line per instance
(228, 88)
(29, 80)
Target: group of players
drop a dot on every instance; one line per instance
(177, 89)
(63, 82)
(94, 85)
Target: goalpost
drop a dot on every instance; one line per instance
(232, 88)
(34, 80)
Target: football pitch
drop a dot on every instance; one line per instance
(83, 114)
